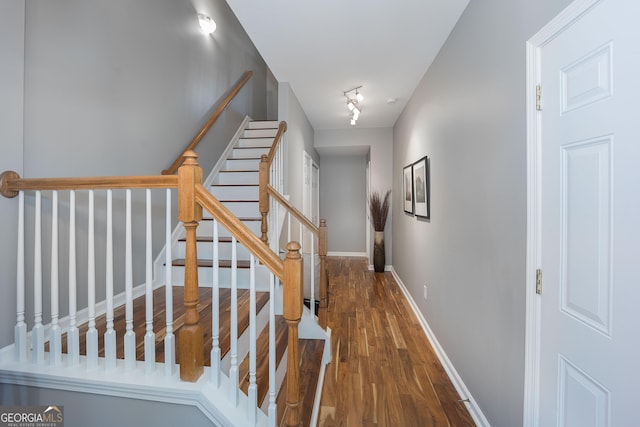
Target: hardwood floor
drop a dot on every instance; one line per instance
(384, 372)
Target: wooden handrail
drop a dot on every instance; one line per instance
(236, 227)
(292, 209)
(322, 235)
(282, 128)
(205, 128)
(11, 183)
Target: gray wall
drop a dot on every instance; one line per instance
(379, 142)
(343, 201)
(11, 121)
(468, 116)
(112, 88)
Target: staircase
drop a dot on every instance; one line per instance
(240, 307)
(235, 183)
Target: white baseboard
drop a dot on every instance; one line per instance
(354, 254)
(386, 268)
(461, 388)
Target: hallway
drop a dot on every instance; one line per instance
(384, 371)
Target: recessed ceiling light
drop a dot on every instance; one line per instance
(391, 100)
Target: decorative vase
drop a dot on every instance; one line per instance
(378, 252)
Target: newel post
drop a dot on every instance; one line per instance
(324, 280)
(264, 196)
(190, 339)
(292, 312)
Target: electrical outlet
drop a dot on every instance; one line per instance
(425, 292)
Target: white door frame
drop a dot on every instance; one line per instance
(533, 306)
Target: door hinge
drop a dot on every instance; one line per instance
(539, 97)
(539, 281)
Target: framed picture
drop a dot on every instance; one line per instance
(421, 187)
(407, 188)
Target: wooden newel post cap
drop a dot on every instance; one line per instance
(293, 250)
(264, 158)
(190, 158)
(5, 177)
(323, 222)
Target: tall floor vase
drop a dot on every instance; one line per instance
(378, 252)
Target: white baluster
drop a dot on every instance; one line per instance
(233, 369)
(253, 387)
(312, 268)
(149, 337)
(272, 411)
(110, 334)
(73, 336)
(130, 335)
(288, 226)
(38, 330)
(215, 310)
(301, 237)
(92, 332)
(20, 330)
(169, 339)
(55, 333)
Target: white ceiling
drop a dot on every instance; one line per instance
(325, 47)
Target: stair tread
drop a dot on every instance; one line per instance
(159, 324)
(223, 263)
(262, 364)
(310, 351)
(236, 171)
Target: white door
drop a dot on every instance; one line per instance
(589, 218)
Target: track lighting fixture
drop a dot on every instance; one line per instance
(352, 103)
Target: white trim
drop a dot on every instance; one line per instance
(533, 256)
(461, 388)
(212, 402)
(353, 254)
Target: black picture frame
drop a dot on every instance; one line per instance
(421, 191)
(407, 188)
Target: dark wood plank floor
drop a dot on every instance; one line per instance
(384, 372)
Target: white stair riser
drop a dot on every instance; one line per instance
(242, 165)
(205, 251)
(249, 153)
(237, 178)
(240, 209)
(205, 277)
(263, 124)
(255, 142)
(248, 192)
(205, 228)
(260, 133)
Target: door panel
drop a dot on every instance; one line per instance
(590, 220)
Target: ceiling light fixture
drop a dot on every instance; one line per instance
(352, 103)
(207, 25)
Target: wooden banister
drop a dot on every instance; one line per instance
(243, 234)
(282, 128)
(11, 183)
(292, 312)
(205, 128)
(292, 210)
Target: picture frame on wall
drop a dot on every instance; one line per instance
(407, 188)
(421, 196)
